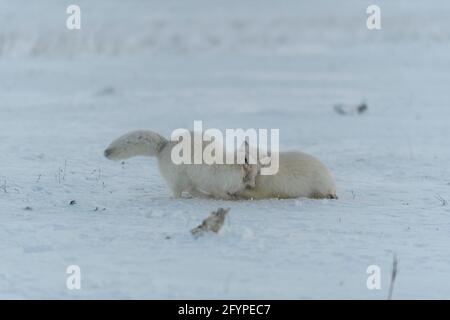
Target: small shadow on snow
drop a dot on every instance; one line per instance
(106, 91)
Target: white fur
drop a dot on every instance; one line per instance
(216, 180)
(299, 175)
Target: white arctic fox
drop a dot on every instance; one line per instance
(222, 181)
(299, 175)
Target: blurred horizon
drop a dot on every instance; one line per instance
(114, 28)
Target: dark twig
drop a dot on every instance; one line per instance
(442, 200)
(393, 276)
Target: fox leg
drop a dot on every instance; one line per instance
(176, 192)
(198, 194)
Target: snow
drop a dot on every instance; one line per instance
(232, 64)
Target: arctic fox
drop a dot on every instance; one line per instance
(299, 175)
(209, 180)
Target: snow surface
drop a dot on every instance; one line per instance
(64, 95)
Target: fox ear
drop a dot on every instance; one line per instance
(245, 147)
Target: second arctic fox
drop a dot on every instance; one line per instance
(222, 181)
(299, 175)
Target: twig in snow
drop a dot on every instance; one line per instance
(212, 223)
(3, 186)
(61, 176)
(346, 110)
(65, 169)
(442, 200)
(393, 276)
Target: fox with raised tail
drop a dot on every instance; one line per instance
(221, 181)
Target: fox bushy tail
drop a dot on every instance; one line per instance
(136, 143)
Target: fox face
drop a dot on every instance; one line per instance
(136, 143)
(121, 150)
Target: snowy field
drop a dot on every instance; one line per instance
(64, 95)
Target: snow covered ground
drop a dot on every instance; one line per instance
(64, 95)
